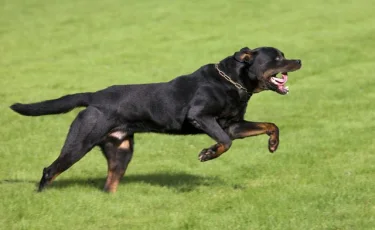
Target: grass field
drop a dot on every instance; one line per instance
(322, 176)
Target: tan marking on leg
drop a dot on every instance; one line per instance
(124, 145)
(220, 149)
(108, 181)
(112, 188)
(261, 128)
(53, 178)
(252, 133)
(112, 182)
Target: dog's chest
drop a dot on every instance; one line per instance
(235, 105)
(233, 111)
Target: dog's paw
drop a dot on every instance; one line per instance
(273, 144)
(206, 155)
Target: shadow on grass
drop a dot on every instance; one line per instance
(180, 182)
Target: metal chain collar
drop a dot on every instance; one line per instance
(236, 84)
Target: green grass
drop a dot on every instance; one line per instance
(322, 176)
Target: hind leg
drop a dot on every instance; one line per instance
(118, 154)
(86, 131)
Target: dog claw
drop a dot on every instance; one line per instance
(273, 145)
(206, 154)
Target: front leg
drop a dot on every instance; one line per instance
(210, 126)
(244, 129)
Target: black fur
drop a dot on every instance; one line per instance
(201, 102)
(56, 106)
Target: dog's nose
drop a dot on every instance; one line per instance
(299, 62)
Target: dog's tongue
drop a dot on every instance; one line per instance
(280, 81)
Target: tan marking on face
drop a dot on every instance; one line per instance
(258, 90)
(270, 72)
(289, 66)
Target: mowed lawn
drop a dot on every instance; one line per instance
(322, 176)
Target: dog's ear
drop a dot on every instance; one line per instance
(245, 55)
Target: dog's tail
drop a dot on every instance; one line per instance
(56, 106)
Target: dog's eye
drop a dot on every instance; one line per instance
(277, 58)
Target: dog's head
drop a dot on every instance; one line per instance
(264, 64)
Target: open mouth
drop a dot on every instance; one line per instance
(280, 83)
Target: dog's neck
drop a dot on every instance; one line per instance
(239, 73)
(249, 78)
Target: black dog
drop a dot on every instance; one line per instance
(212, 100)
